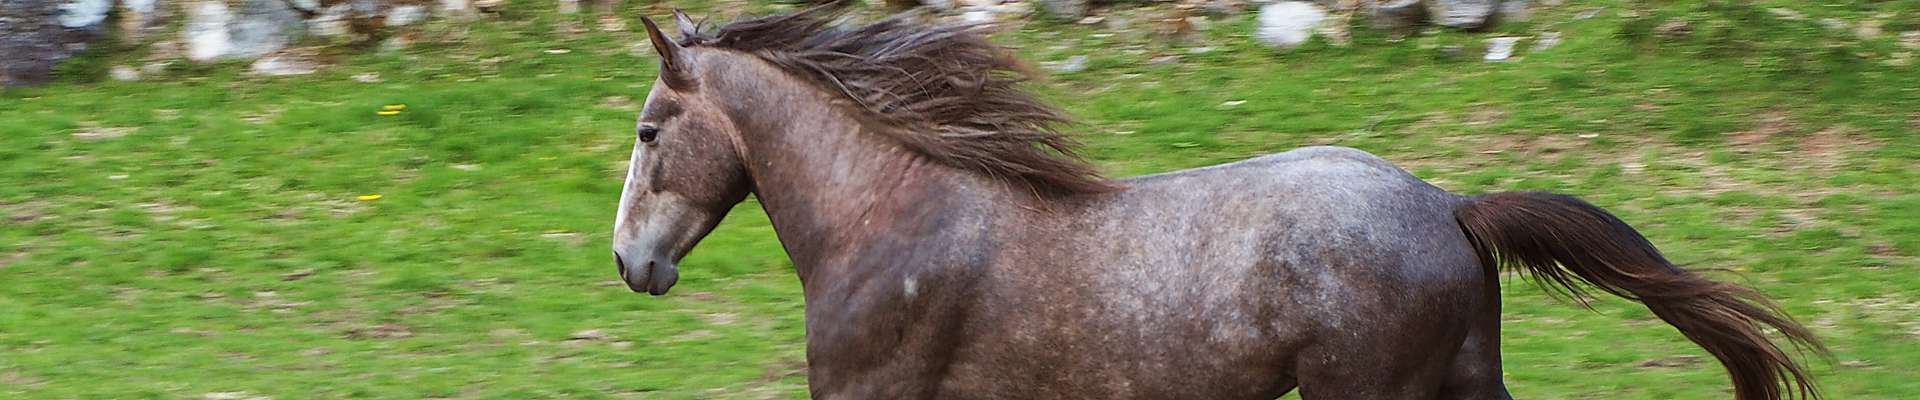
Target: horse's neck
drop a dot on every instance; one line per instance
(830, 187)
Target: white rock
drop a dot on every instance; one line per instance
(406, 15)
(1514, 10)
(1500, 48)
(977, 17)
(206, 33)
(84, 14)
(459, 6)
(124, 73)
(332, 21)
(1464, 14)
(1910, 39)
(1546, 41)
(1289, 24)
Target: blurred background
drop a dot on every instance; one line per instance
(287, 199)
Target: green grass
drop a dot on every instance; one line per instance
(202, 234)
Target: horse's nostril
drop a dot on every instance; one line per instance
(620, 265)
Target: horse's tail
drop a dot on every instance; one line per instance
(1560, 239)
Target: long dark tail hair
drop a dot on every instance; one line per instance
(1560, 239)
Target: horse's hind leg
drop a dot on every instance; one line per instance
(1476, 371)
(1407, 359)
(1361, 374)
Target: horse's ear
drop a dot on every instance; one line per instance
(688, 28)
(671, 66)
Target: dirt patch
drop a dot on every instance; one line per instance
(1486, 115)
(1670, 362)
(92, 132)
(1828, 148)
(382, 331)
(25, 212)
(1766, 126)
(19, 379)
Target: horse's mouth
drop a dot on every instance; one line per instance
(652, 283)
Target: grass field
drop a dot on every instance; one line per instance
(205, 236)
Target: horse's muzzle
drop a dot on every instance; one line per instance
(653, 277)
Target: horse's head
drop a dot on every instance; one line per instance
(685, 173)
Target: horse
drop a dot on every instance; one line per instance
(952, 243)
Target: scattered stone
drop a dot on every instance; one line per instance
(1289, 24)
(1674, 29)
(1500, 48)
(1546, 41)
(233, 396)
(396, 43)
(406, 15)
(1786, 14)
(1869, 29)
(1164, 60)
(1463, 14)
(143, 17)
(84, 14)
(978, 17)
(1398, 16)
(155, 68)
(1200, 50)
(1910, 39)
(1835, 24)
(490, 6)
(1065, 8)
(370, 77)
(316, 352)
(1514, 11)
(467, 167)
(1224, 7)
(124, 73)
(569, 6)
(331, 22)
(261, 27)
(1092, 20)
(456, 7)
(1589, 13)
(283, 65)
(590, 334)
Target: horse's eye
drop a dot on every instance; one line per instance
(648, 133)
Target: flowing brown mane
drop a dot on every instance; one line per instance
(942, 90)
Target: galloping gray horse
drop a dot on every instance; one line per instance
(951, 244)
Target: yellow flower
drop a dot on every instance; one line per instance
(387, 113)
(370, 197)
(394, 107)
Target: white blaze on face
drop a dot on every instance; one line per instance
(646, 218)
